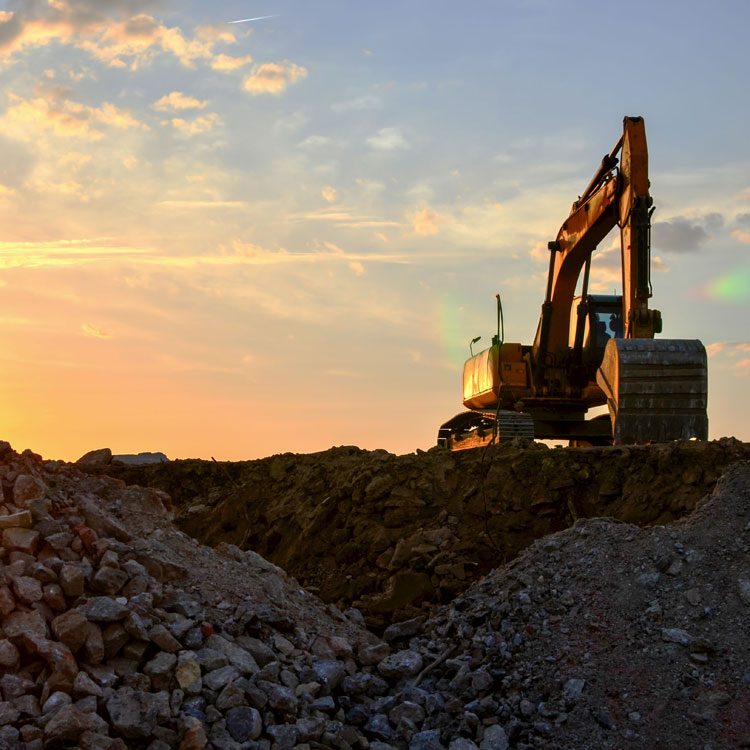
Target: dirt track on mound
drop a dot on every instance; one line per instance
(393, 534)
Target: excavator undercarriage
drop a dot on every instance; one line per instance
(591, 350)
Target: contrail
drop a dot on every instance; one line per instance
(257, 18)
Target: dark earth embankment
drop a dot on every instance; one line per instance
(393, 534)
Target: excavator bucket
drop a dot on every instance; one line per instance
(657, 389)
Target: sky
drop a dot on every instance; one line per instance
(235, 240)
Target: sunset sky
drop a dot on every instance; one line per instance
(234, 240)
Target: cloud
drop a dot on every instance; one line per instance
(273, 78)
(94, 332)
(683, 234)
(329, 194)
(176, 101)
(116, 33)
(425, 222)
(226, 63)
(359, 104)
(197, 126)
(388, 139)
(66, 118)
(730, 355)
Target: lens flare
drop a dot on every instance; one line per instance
(732, 287)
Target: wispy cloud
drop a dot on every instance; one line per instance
(176, 101)
(388, 139)
(426, 222)
(68, 119)
(273, 78)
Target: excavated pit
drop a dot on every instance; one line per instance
(394, 535)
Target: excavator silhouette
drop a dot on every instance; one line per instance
(592, 349)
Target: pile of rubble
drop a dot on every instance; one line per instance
(393, 534)
(117, 630)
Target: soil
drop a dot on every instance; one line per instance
(393, 535)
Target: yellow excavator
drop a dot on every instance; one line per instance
(591, 350)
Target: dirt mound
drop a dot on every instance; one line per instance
(117, 630)
(390, 534)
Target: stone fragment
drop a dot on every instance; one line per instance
(27, 488)
(93, 648)
(55, 702)
(572, 691)
(161, 664)
(21, 519)
(114, 638)
(68, 724)
(188, 669)
(71, 580)
(401, 630)
(8, 713)
(70, 629)
(97, 457)
(164, 639)
(428, 739)
(405, 663)
(23, 540)
(236, 655)
(329, 672)
(103, 609)
(133, 714)
(244, 723)
(83, 685)
(109, 580)
(743, 588)
(30, 624)
(219, 678)
(9, 656)
(7, 601)
(676, 635)
(27, 590)
(494, 738)
(232, 695)
(284, 736)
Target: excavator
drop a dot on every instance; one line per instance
(591, 350)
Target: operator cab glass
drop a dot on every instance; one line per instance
(603, 321)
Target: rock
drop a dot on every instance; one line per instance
(27, 488)
(743, 588)
(140, 459)
(676, 635)
(133, 714)
(244, 723)
(29, 624)
(97, 457)
(103, 609)
(21, 519)
(72, 580)
(238, 657)
(8, 713)
(23, 540)
(219, 678)
(7, 601)
(572, 691)
(109, 580)
(329, 672)
(164, 639)
(9, 656)
(494, 738)
(70, 629)
(426, 740)
(401, 664)
(188, 670)
(461, 743)
(161, 664)
(28, 590)
(402, 630)
(284, 736)
(68, 724)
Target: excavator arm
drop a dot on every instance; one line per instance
(612, 197)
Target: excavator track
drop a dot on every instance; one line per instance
(657, 389)
(479, 427)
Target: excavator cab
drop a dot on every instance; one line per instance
(600, 316)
